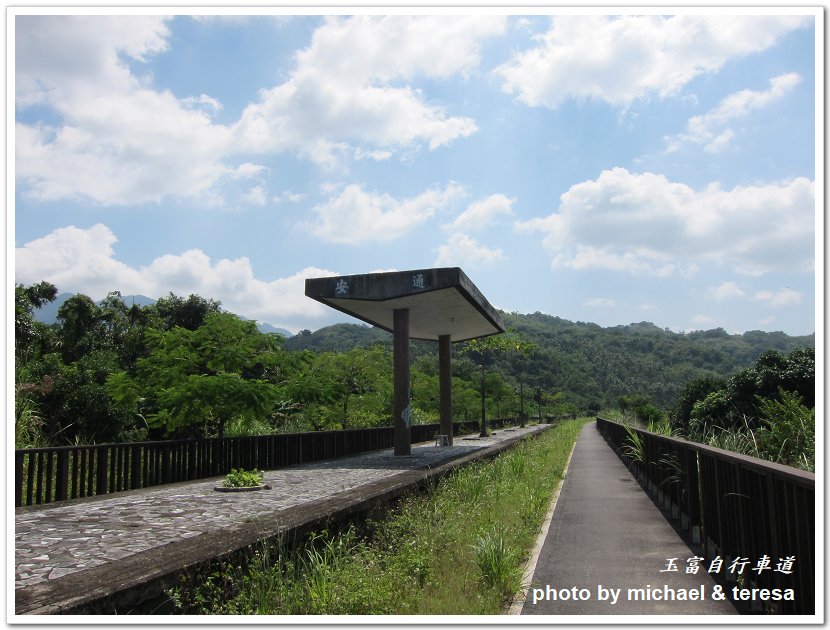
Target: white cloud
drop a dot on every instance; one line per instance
(115, 140)
(118, 141)
(346, 90)
(782, 297)
(645, 224)
(703, 320)
(290, 197)
(710, 129)
(461, 250)
(602, 302)
(480, 214)
(726, 291)
(79, 260)
(625, 58)
(355, 216)
(256, 196)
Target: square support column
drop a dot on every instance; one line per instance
(445, 385)
(400, 408)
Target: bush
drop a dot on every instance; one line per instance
(789, 432)
(238, 478)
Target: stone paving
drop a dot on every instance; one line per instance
(53, 541)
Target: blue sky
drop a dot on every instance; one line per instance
(605, 168)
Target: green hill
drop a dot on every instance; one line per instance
(590, 364)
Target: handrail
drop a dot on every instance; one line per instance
(731, 506)
(47, 474)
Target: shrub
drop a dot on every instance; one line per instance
(238, 478)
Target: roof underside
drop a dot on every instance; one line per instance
(441, 301)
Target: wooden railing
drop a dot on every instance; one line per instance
(735, 507)
(44, 475)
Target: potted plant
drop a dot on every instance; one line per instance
(239, 480)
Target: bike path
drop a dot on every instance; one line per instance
(607, 532)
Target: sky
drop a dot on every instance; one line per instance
(612, 167)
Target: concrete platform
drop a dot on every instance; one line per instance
(102, 555)
(607, 531)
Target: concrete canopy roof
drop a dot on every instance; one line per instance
(441, 301)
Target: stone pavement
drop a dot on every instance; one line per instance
(90, 544)
(607, 531)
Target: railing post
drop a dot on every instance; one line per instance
(18, 478)
(62, 480)
(101, 470)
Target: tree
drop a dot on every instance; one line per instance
(30, 334)
(484, 351)
(693, 392)
(189, 314)
(81, 327)
(198, 380)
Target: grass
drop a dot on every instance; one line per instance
(458, 548)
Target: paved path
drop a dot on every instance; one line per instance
(607, 531)
(74, 541)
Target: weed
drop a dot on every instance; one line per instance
(456, 549)
(498, 562)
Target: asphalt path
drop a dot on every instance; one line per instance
(607, 536)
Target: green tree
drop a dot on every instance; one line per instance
(196, 381)
(81, 326)
(187, 313)
(694, 391)
(788, 434)
(30, 335)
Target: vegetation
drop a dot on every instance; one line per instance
(183, 367)
(239, 478)
(457, 549)
(766, 410)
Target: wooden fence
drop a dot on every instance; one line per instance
(736, 507)
(44, 475)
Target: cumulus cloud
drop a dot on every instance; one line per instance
(726, 291)
(112, 138)
(462, 250)
(710, 129)
(646, 224)
(118, 141)
(356, 216)
(346, 95)
(620, 59)
(83, 260)
(480, 214)
(782, 297)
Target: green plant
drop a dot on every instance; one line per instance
(498, 562)
(455, 548)
(238, 478)
(28, 425)
(788, 435)
(635, 449)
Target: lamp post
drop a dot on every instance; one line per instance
(521, 403)
(483, 417)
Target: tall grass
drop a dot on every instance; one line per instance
(457, 549)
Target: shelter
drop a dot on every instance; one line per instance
(441, 304)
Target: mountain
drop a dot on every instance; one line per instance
(338, 338)
(590, 364)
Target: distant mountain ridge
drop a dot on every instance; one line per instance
(48, 314)
(593, 365)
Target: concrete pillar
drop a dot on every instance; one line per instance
(400, 407)
(445, 385)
